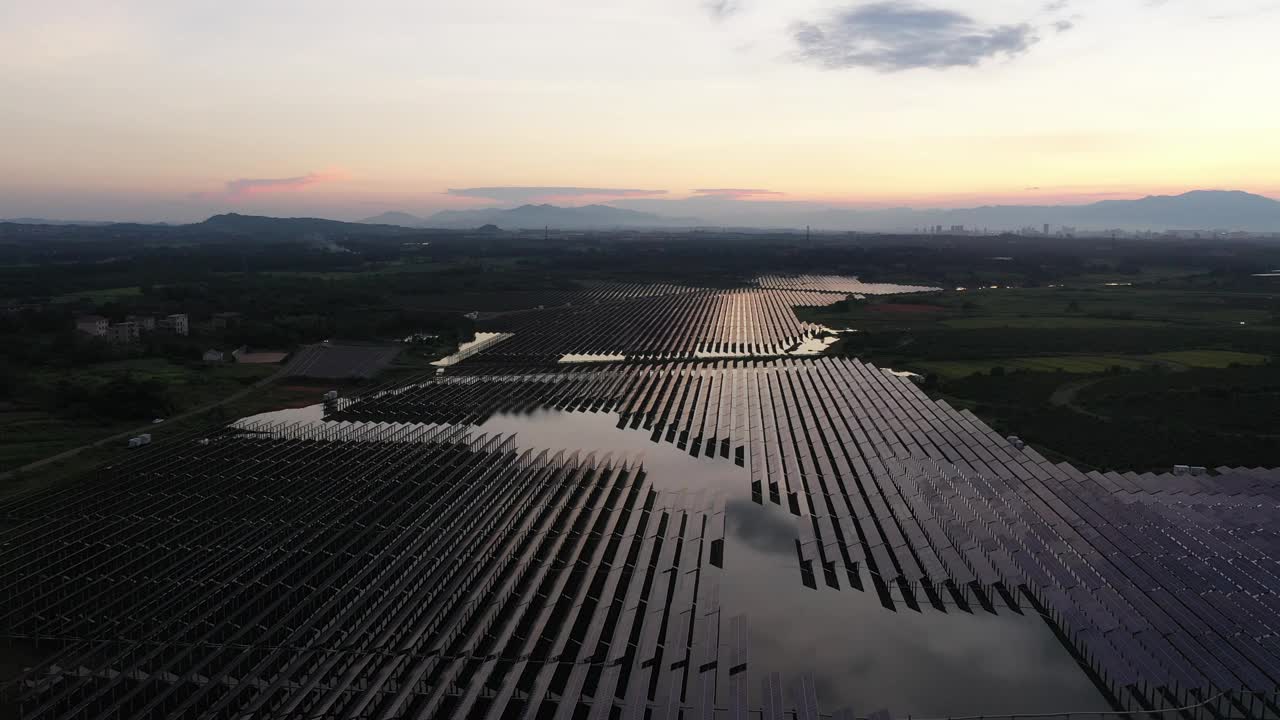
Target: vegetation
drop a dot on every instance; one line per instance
(1061, 342)
(1089, 364)
(1165, 368)
(58, 409)
(61, 435)
(1147, 420)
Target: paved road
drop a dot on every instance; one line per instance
(120, 437)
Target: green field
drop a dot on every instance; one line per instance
(382, 269)
(1056, 307)
(1144, 420)
(100, 296)
(1148, 274)
(1209, 358)
(1083, 364)
(31, 429)
(194, 384)
(29, 435)
(1122, 377)
(1047, 321)
(1089, 364)
(63, 435)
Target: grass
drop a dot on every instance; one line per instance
(187, 378)
(1091, 364)
(373, 270)
(29, 433)
(100, 296)
(1058, 307)
(1139, 421)
(1148, 274)
(1080, 364)
(270, 397)
(1209, 358)
(1048, 321)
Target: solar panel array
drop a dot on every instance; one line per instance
(842, 284)
(314, 571)
(679, 325)
(340, 361)
(394, 561)
(1166, 585)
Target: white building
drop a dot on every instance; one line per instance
(95, 325)
(177, 324)
(125, 332)
(146, 322)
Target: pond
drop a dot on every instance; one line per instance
(863, 655)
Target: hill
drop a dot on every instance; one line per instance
(401, 219)
(289, 228)
(1196, 210)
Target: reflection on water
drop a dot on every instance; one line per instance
(867, 657)
(863, 655)
(667, 467)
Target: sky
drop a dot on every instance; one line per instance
(161, 110)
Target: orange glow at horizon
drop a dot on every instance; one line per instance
(571, 94)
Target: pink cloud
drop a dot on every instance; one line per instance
(738, 193)
(249, 187)
(548, 193)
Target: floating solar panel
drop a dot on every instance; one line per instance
(362, 552)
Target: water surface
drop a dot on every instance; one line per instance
(862, 654)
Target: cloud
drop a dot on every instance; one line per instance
(740, 193)
(257, 186)
(722, 9)
(763, 529)
(538, 193)
(893, 36)
(1245, 14)
(248, 187)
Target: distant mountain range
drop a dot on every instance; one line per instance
(402, 219)
(536, 216)
(1197, 210)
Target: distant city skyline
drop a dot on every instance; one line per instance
(154, 111)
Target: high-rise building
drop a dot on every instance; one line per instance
(1046, 228)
